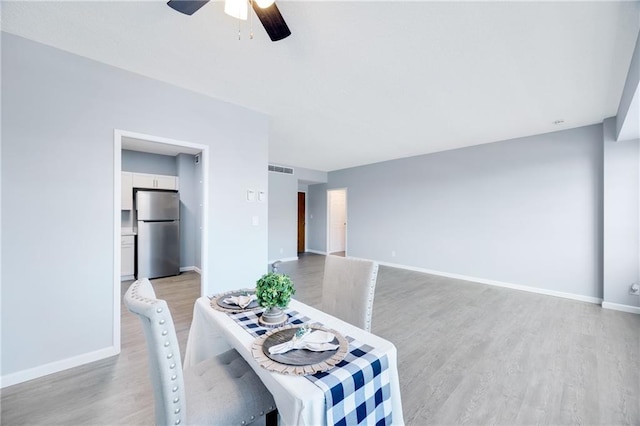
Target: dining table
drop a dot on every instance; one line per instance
(365, 398)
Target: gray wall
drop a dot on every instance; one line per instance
(146, 162)
(307, 176)
(59, 112)
(621, 217)
(190, 199)
(522, 211)
(283, 216)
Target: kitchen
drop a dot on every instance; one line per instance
(152, 172)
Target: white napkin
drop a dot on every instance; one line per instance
(317, 341)
(242, 301)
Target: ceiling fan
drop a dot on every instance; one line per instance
(266, 10)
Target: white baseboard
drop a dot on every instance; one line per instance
(620, 307)
(571, 296)
(54, 367)
(317, 251)
(190, 268)
(127, 278)
(284, 259)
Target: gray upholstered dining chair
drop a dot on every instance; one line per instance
(348, 287)
(220, 391)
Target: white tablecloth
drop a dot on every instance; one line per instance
(299, 401)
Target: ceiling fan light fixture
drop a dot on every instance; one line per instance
(269, 16)
(263, 4)
(238, 9)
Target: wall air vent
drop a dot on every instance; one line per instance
(280, 169)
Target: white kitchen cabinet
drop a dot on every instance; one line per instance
(141, 180)
(126, 194)
(127, 254)
(144, 180)
(167, 182)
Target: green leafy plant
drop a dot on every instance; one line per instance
(274, 289)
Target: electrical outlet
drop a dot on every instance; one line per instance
(634, 289)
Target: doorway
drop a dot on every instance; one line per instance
(302, 214)
(158, 145)
(337, 221)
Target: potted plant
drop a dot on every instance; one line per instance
(274, 292)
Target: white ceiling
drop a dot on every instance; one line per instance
(362, 82)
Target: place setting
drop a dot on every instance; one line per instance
(300, 349)
(236, 301)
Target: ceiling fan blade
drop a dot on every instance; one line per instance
(272, 21)
(188, 7)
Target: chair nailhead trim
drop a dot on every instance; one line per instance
(169, 356)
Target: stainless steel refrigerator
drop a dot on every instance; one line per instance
(158, 248)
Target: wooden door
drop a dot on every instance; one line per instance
(301, 220)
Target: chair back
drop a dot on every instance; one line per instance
(165, 366)
(348, 288)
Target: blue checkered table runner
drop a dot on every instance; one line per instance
(249, 321)
(357, 390)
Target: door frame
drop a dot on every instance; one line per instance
(118, 134)
(346, 216)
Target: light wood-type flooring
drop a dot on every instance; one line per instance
(468, 353)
